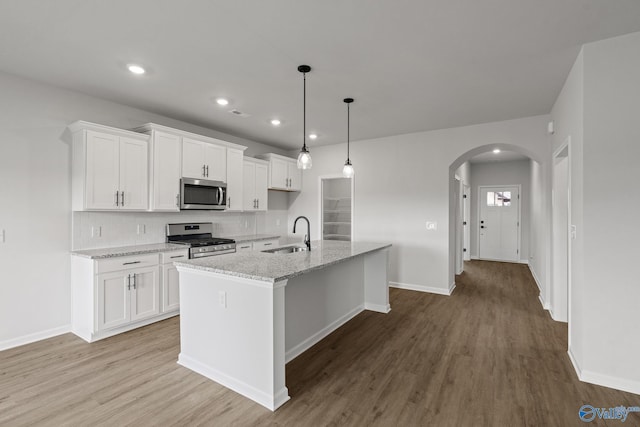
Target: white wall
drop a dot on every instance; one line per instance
(598, 108)
(403, 181)
(35, 204)
(611, 149)
(502, 173)
(538, 236)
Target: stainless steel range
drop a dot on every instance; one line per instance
(198, 236)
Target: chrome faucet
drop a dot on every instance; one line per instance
(307, 237)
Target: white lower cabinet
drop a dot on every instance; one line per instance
(114, 295)
(261, 245)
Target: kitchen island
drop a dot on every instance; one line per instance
(243, 316)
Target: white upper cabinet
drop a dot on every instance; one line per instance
(166, 155)
(283, 173)
(109, 168)
(255, 194)
(202, 160)
(235, 164)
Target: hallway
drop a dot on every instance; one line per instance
(486, 356)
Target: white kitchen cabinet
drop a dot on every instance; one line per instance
(283, 173)
(166, 158)
(254, 188)
(203, 160)
(244, 246)
(145, 293)
(170, 280)
(117, 294)
(261, 245)
(109, 168)
(235, 165)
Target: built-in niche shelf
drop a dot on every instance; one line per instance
(336, 209)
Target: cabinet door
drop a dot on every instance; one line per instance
(112, 300)
(170, 289)
(279, 174)
(295, 176)
(261, 186)
(215, 158)
(166, 172)
(235, 164)
(245, 246)
(145, 295)
(102, 171)
(193, 162)
(134, 167)
(249, 186)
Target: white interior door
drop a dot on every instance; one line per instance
(499, 223)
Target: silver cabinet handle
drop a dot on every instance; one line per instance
(207, 171)
(177, 200)
(177, 256)
(134, 281)
(229, 201)
(132, 262)
(267, 244)
(245, 247)
(129, 282)
(122, 198)
(258, 203)
(204, 171)
(117, 198)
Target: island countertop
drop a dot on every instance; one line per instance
(269, 267)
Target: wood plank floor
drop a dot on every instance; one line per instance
(486, 356)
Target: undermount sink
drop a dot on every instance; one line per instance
(286, 250)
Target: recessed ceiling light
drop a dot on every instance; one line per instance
(135, 69)
(496, 151)
(275, 122)
(222, 101)
(313, 136)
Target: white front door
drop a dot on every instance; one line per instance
(499, 223)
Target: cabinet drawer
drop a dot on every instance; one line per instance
(167, 257)
(265, 244)
(125, 263)
(245, 246)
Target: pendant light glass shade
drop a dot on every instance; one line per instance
(304, 158)
(347, 170)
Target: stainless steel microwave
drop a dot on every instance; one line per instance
(202, 194)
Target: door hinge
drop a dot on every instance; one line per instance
(464, 222)
(464, 250)
(518, 251)
(518, 223)
(464, 196)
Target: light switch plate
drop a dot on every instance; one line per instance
(432, 225)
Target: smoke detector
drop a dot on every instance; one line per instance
(239, 113)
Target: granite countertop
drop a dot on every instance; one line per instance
(272, 268)
(252, 237)
(128, 250)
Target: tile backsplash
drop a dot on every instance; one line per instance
(111, 229)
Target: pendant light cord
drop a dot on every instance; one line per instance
(304, 111)
(348, 127)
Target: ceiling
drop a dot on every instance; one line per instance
(502, 156)
(410, 65)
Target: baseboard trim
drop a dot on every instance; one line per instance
(616, 383)
(265, 399)
(523, 261)
(31, 338)
(423, 288)
(377, 307)
(474, 257)
(535, 278)
(321, 334)
(543, 303)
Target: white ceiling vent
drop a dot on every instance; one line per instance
(239, 113)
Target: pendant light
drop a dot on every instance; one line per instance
(348, 171)
(304, 158)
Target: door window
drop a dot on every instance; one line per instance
(498, 198)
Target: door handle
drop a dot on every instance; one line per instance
(122, 198)
(482, 226)
(178, 200)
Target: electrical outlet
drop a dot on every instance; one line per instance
(222, 297)
(432, 225)
(142, 229)
(96, 231)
